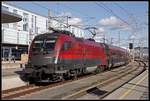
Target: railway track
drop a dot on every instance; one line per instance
(20, 91)
(27, 89)
(95, 87)
(141, 64)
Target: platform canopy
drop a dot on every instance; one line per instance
(8, 17)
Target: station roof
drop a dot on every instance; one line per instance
(8, 17)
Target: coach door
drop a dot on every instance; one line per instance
(107, 52)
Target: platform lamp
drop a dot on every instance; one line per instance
(16, 47)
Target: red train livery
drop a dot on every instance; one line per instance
(60, 55)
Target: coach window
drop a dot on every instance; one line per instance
(66, 45)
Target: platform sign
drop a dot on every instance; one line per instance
(24, 58)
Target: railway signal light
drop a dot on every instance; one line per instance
(130, 45)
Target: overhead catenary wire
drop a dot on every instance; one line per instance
(79, 12)
(110, 11)
(44, 7)
(133, 18)
(133, 30)
(128, 13)
(54, 18)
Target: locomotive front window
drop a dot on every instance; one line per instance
(49, 45)
(44, 45)
(38, 44)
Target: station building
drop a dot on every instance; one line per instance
(141, 52)
(16, 37)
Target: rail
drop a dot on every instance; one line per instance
(20, 91)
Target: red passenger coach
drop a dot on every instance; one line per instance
(59, 55)
(118, 56)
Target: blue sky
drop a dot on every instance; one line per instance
(106, 16)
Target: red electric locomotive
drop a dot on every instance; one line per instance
(59, 55)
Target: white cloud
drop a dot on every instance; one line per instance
(132, 36)
(101, 30)
(109, 21)
(65, 14)
(114, 22)
(75, 21)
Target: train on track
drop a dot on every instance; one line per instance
(59, 55)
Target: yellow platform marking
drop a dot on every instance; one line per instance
(129, 90)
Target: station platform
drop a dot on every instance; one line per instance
(11, 64)
(5, 62)
(137, 89)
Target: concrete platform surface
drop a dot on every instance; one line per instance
(135, 89)
(11, 64)
(11, 71)
(11, 82)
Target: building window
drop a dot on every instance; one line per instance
(25, 27)
(15, 24)
(25, 22)
(32, 23)
(46, 25)
(35, 28)
(25, 17)
(2, 35)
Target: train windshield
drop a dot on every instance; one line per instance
(43, 45)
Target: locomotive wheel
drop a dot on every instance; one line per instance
(74, 77)
(67, 76)
(62, 78)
